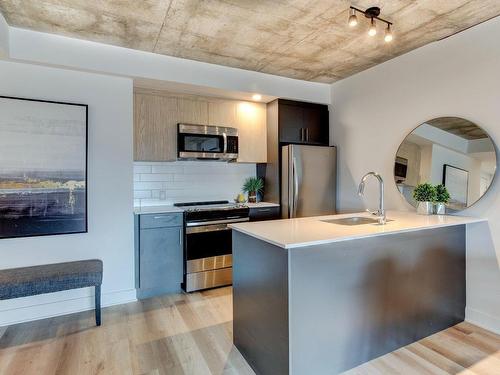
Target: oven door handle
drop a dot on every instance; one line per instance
(208, 228)
(225, 221)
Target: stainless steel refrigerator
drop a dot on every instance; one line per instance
(308, 180)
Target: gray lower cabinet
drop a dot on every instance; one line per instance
(159, 254)
(264, 213)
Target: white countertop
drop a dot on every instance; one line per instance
(160, 209)
(293, 233)
(262, 205)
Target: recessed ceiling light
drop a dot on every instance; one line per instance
(257, 97)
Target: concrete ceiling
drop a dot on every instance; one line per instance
(459, 126)
(303, 39)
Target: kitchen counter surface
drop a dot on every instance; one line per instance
(160, 209)
(262, 205)
(300, 232)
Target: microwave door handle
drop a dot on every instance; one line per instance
(224, 135)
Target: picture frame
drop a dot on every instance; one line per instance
(43, 167)
(456, 181)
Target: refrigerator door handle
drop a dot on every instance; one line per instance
(295, 187)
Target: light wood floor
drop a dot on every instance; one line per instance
(192, 334)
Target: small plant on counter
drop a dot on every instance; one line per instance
(252, 186)
(442, 195)
(442, 198)
(425, 195)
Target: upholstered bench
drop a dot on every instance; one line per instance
(29, 281)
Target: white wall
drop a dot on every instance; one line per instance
(373, 112)
(442, 155)
(4, 37)
(110, 181)
(163, 183)
(69, 52)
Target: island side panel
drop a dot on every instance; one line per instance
(260, 304)
(356, 300)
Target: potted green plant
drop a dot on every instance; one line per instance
(425, 195)
(442, 198)
(252, 186)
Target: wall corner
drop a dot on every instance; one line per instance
(4, 38)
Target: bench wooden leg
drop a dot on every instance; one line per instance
(98, 305)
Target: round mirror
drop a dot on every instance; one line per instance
(450, 151)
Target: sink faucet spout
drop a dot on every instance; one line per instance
(380, 213)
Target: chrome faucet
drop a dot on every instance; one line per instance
(380, 213)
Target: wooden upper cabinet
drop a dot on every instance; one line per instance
(252, 132)
(192, 111)
(222, 113)
(156, 116)
(155, 128)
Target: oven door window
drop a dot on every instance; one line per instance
(208, 244)
(203, 143)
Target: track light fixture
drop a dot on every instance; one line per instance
(373, 14)
(353, 20)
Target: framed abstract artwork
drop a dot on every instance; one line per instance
(43, 167)
(456, 181)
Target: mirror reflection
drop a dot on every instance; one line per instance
(451, 151)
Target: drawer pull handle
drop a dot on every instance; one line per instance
(264, 210)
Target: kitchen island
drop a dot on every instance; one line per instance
(321, 295)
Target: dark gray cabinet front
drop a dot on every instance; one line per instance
(160, 257)
(264, 213)
(304, 123)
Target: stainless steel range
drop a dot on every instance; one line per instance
(208, 256)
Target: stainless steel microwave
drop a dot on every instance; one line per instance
(207, 142)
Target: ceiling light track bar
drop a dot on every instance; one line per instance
(370, 15)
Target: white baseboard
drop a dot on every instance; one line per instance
(480, 319)
(61, 303)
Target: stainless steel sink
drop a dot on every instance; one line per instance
(355, 220)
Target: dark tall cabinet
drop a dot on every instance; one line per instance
(304, 123)
(290, 122)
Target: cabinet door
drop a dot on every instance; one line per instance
(222, 113)
(291, 123)
(155, 128)
(160, 258)
(316, 125)
(264, 213)
(252, 132)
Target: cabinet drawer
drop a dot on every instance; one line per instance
(160, 220)
(264, 213)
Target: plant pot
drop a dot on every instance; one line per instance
(425, 208)
(440, 209)
(252, 197)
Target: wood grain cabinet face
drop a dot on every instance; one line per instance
(252, 132)
(156, 116)
(155, 128)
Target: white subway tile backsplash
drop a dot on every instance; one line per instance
(148, 185)
(141, 168)
(158, 183)
(142, 194)
(166, 169)
(156, 177)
